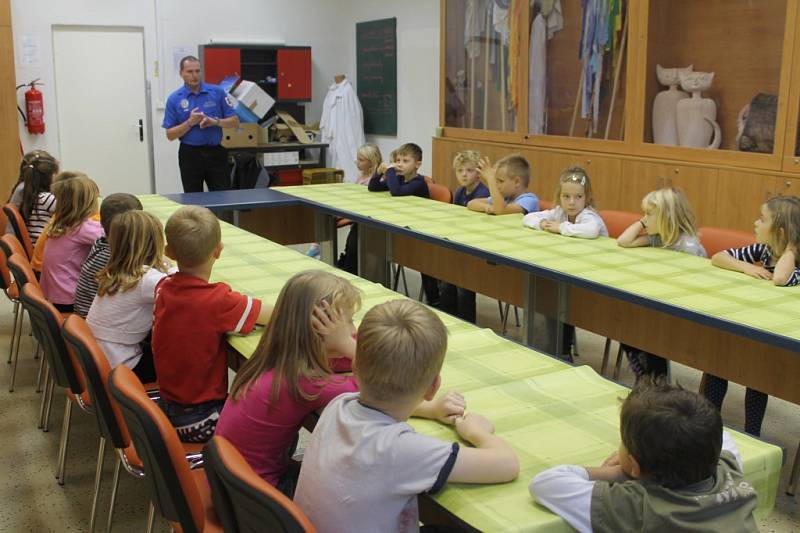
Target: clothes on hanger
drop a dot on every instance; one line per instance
(537, 76)
(342, 127)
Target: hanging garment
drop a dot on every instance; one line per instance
(342, 127)
(537, 76)
(474, 28)
(554, 19)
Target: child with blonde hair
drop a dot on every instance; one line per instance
(773, 257)
(455, 300)
(574, 214)
(70, 236)
(121, 314)
(368, 161)
(291, 373)
(365, 465)
(668, 222)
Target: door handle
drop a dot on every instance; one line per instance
(141, 130)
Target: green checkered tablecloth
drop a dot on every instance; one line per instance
(550, 412)
(676, 279)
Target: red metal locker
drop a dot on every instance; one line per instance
(294, 74)
(290, 177)
(220, 62)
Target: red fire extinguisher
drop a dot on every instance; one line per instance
(34, 106)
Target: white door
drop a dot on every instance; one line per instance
(101, 96)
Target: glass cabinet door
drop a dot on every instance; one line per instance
(713, 73)
(576, 68)
(481, 53)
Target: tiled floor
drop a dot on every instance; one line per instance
(33, 501)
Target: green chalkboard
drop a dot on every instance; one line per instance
(376, 74)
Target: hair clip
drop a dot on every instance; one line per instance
(576, 177)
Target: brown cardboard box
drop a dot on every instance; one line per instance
(243, 136)
(313, 176)
(287, 129)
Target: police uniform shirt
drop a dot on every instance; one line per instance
(211, 100)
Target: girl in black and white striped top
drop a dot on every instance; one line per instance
(38, 204)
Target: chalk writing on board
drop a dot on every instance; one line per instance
(376, 79)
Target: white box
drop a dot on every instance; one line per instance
(274, 159)
(254, 98)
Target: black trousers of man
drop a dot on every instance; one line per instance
(204, 163)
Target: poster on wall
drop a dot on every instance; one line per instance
(376, 74)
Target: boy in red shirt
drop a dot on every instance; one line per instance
(191, 319)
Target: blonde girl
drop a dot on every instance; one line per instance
(668, 222)
(291, 372)
(70, 236)
(773, 257)
(368, 159)
(121, 314)
(574, 214)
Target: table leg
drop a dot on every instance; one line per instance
(325, 235)
(374, 255)
(546, 308)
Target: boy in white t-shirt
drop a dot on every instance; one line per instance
(365, 464)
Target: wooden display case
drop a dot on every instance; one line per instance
(753, 47)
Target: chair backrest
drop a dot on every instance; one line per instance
(172, 486)
(46, 321)
(6, 279)
(10, 245)
(440, 193)
(618, 221)
(717, 239)
(244, 501)
(545, 204)
(20, 228)
(21, 271)
(93, 361)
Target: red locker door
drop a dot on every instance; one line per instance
(220, 62)
(290, 177)
(294, 74)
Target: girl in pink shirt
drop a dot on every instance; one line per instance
(70, 236)
(291, 374)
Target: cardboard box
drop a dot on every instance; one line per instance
(313, 176)
(243, 136)
(253, 98)
(275, 159)
(286, 126)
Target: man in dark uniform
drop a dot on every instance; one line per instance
(196, 114)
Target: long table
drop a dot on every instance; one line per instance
(675, 305)
(549, 411)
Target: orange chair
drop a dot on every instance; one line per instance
(46, 321)
(12, 293)
(180, 494)
(93, 361)
(717, 239)
(244, 502)
(545, 204)
(618, 221)
(20, 228)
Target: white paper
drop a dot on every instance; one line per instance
(178, 53)
(30, 50)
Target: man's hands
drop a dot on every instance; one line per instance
(198, 117)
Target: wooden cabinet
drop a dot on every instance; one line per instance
(219, 63)
(752, 47)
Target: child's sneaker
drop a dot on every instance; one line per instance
(313, 250)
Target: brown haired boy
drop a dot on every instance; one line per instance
(676, 470)
(508, 185)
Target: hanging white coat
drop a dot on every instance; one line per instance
(342, 127)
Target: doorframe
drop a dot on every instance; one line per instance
(148, 115)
